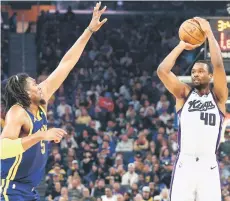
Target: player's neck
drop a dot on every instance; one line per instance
(33, 108)
(204, 91)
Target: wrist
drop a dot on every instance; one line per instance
(209, 33)
(181, 45)
(41, 135)
(89, 29)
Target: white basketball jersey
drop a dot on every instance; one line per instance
(200, 123)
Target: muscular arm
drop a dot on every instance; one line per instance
(11, 144)
(169, 79)
(54, 81)
(219, 75)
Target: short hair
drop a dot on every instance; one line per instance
(15, 91)
(210, 69)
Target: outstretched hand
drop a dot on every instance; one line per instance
(204, 24)
(95, 23)
(188, 46)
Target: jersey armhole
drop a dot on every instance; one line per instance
(185, 100)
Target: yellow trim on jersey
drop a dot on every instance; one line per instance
(16, 167)
(12, 168)
(31, 124)
(5, 189)
(43, 110)
(2, 185)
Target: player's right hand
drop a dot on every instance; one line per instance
(54, 134)
(188, 46)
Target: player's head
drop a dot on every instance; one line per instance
(24, 90)
(201, 74)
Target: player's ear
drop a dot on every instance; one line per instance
(210, 76)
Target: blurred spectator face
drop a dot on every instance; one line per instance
(85, 192)
(138, 86)
(134, 97)
(116, 187)
(84, 112)
(125, 138)
(146, 104)
(57, 186)
(120, 197)
(106, 138)
(163, 98)
(55, 151)
(134, 187)
(146, 195)
(150, 112)
(108, 192)
(154, 159)
(71, 152)
(105, 145)
(152, 186)
(101, 160)
(131, 169)
(164, 193)
(101, 183)
(138, 198)
(112, 171)
(166, 153)
(75, 182)
(127, 196)
(57, 157)
(160, 137)
(147, 168)
(161, 130)
(56, 178)
(85, 134)
(64, 191)
(57, 169)
(94, 168)
(156, 167)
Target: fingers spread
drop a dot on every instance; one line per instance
(103, 21)
(103, 10)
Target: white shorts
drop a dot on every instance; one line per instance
(195, 179)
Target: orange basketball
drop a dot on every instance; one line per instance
(191, 32)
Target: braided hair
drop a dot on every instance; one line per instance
(15, 91)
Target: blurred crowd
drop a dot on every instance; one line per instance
(121, 122)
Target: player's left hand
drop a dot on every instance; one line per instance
(95, 23)
(204, 24)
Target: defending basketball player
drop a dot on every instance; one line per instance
(24, 140)
(201, 112)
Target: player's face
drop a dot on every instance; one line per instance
(34, 91)
(200, 75)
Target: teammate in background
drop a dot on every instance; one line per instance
(25, 137)
(201, 112)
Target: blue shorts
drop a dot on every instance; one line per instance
(16, 191)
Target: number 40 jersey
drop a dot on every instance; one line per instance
(200, 123)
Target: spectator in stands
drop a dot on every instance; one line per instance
(64, 195)
(75, 188)
(84, 118)
(125, 145)
(63, 107)
(131, 176)
(100, 189)
(86, 196)
(146, 194)
(108, 195)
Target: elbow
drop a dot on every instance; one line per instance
(160, 71)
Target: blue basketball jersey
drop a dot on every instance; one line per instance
(29, 167)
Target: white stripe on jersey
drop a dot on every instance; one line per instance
(200, 123)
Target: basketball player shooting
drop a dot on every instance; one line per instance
(24, 140)
(201, 112)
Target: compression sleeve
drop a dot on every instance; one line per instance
(10, 148)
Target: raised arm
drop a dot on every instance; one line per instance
(169, 79)
(10, 143)
(54, 81)
(219, 75)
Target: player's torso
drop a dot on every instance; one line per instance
(29, 166)
(200, 123)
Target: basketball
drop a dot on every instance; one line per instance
(191, 32)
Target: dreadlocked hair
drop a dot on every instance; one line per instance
(15, 91)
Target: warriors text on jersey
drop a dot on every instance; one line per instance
(200, 123)
(28, 168)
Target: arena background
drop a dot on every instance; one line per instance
(117, 113)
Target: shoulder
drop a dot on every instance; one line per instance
(16, 112)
